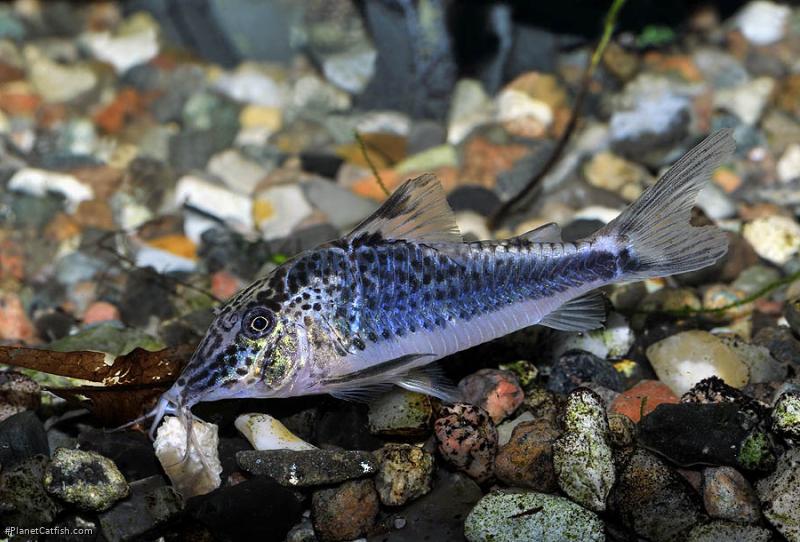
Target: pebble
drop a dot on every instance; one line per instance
(196, 474)
(149, 505)
(252, 83)
(238, 172)
(610, 172)
(134, 42)
(621, 430)
(582, 456)
(215, 200)
(510, 517)
(760, 363)
(775, 238)
(305, 468)
(611, 341)
(25, 501)
(264, 432)
(278, 210)
(470, 107)
(748, 100)
(228, 512)
(654, 501)
(37, 182)
(57, 83)
(343, 208)
(18, 393)
(682, 360)
(726, 531)
(642, 399)
(86, 479)
(467, 439)
(405, 473)
(527, 459)
(575, 368)
(786, 415)
(780, 500)
(400, 413)
(14, 322)
(728, 495)
(505, 429)
(22, 436)
(345, 512)
(654, 121)
(100, 311)
(350, 71)
(497, 392)
(439, 515)
(788, 167)
(763, 22)
(714, 433)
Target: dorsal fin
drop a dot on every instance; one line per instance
(417, 211)
(549, 233)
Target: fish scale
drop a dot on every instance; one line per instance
(403, 290)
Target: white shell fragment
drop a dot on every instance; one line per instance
(194, 475)
(266, 433)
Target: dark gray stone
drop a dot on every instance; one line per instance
(151, 503)
(256, 509)
(710, 434)
(304, 468)
(576, 367)
(23, 499)
(21, 436)
(438, 515)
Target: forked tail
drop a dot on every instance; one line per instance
(655, 229)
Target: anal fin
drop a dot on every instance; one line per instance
(579, 314)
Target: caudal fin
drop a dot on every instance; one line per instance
(655, 228)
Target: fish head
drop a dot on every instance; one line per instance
(251, 349)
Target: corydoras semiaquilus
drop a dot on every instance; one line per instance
(402, 290)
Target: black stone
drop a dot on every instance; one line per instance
(256, 509)
(345, 425)
(577, 367)
(151, 504)
(438, 516)
(132, 452)
(53, 325)
(305, 468)
(21, 436)
(146, 294)
(325, 165)
(705, 434)
(474, 198)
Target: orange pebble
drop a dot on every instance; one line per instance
(642, 399)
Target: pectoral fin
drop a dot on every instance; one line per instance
(361, 384)
(431, 381)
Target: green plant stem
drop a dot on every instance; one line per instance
(363, 145)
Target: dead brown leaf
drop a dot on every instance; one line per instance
(130, 384)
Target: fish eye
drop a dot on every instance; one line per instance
(258, 322)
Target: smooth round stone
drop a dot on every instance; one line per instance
(682, 360)
(727, 531)
(405, 473)
(786, 415)
(86, 479)
(728, 495)
(510, 517)
(775, 238)
(582, 456)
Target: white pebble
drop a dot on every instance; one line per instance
(196, 475)
(266, 433)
